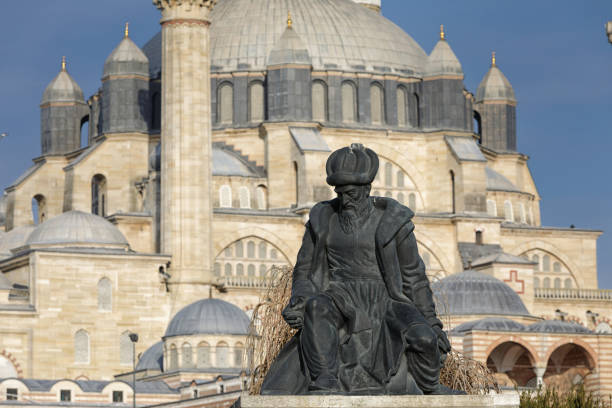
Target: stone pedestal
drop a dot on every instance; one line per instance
(404, 401)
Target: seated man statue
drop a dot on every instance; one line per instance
(360, 297)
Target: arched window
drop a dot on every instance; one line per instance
(245, 197)
(203, 355)
(225, 196)
(125, 349)
(536, 259)
(297, 182)
(452, 176)
(568, 283)
(273, 254)
(187, 356)
(400, 178)
(105, 295)
(251, 249)
(415, 111)
(523, 213)
(228, 269)
(240, 270)
(388, 174)
(412, 201)
(546, 283)
(546, 263)
(222, 351)
(377, 104)
(402, 113)
(508, 214)
(173, 357)
(532, 220)
(492, 208)
(262, 271)
(228, 251)
(217, 269)
(262, 201)
(388, 194)
(400, 198)
(251, 271)
(319, 101)
(256, 101)
(39, 209)
(239, 249)
(557, 283)
(81, 347)
(478, 126)
(238, 354)
(263, 250)
(225, 103)
(156, 111)
(349, 102)
(536, 283)
(98, 195)
(85, 131)
(556, 267)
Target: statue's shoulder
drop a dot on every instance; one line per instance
(393, 209)
(321, 212)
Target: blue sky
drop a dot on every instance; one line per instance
(554, 53)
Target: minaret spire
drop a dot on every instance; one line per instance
(442, 34)
(64, 63)
(126, 33)
(289, 20)
(493, 59)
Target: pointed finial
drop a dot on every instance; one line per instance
(64, 63)
(289, 20)
(127, 30)
(442, 35)
(493, 59)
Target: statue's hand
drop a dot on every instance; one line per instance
(294, 312)
(443, 343)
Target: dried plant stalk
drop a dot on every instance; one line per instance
(269, 333)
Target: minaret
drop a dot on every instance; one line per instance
(186, 157)
(496, 108)
(62, 112)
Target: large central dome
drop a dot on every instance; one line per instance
(339, 34)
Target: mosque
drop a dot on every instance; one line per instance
(206, 149)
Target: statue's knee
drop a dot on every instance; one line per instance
(422, 337)
(318, 306)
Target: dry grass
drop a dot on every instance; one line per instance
(269, 333)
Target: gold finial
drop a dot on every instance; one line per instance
(442, 35)
(493, 59)
(289, 20)
(127, 30)
(64, 63)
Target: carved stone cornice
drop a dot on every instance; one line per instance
(166, 4)
(190, 12)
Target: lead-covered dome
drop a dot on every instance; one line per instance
(338, 34)
(63, 88)
(475, 293)
(126, 59)
(77, 228)
(557, 326)
(15, 238)
(209, 316)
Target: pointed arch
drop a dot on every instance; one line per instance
(81, 347)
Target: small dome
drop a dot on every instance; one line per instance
(443, 61)
(15, 238)
(126, 59)
(290, 49)
(475, 293)
(209, 316)
(557, 326)
(152, 358)
(77, 228)
(498, 182)
(495, 87)
(490, 324)
(62, 89)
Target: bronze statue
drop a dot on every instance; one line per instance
(360, 296)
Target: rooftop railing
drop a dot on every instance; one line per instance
(582, 294)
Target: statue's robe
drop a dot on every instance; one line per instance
(379, 350)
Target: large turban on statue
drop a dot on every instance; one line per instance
(355, 165)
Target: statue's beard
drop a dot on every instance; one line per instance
(351, 214)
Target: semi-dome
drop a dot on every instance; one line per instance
(152, 358)
(226, 162)
(209, 316)
(243, 32)
(15, 238)
(557, 326)
(495, 86)
(63, 88)
(443, 61)
(475, 293)
(77, 228)
(126, 59)
(490, 324)
(499, 182)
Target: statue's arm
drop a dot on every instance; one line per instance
(414, 280)
(302, 287)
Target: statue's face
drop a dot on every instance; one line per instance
(352, 196)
